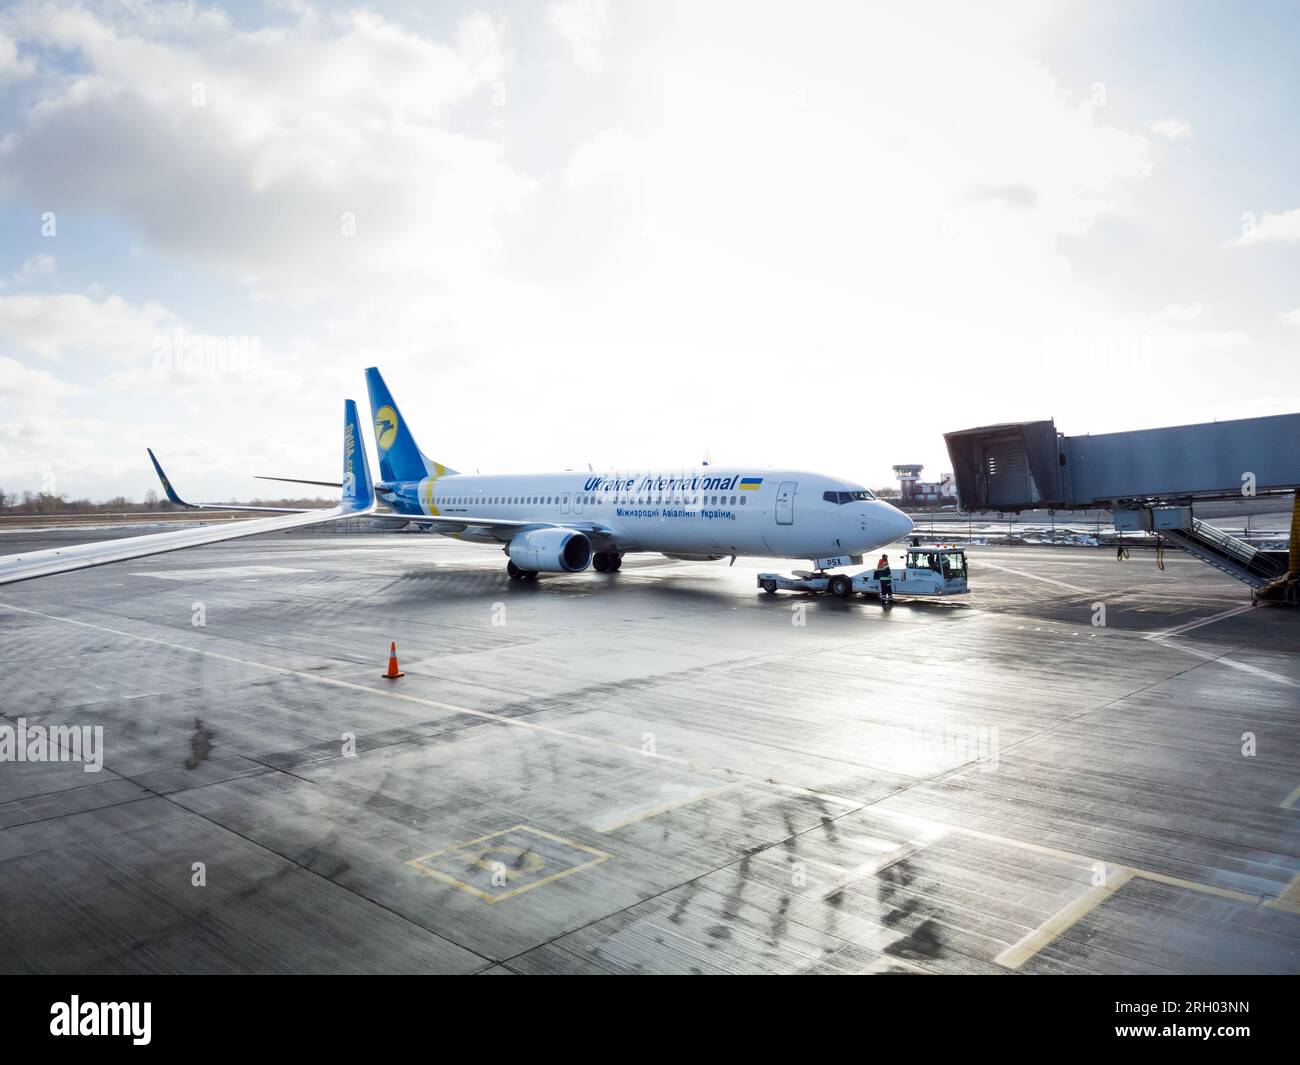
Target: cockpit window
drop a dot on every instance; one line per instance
(841, 498)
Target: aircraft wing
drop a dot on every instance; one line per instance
(358, 499)
(30, 564)
(504, 529)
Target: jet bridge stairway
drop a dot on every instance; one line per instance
(1228, 554)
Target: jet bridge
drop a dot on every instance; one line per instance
(1150, 479)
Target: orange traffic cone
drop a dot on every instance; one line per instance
(393, 672)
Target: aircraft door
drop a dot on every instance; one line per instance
(564, 503)
(785, 503)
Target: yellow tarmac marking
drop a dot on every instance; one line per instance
(1019, 953)
(1289, 802)
(1036, 577)
(1289, 900)
(1192, 885)
(665, 807)
(881, 861)
(1081, 859)
(437, 874)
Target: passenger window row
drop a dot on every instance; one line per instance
(587, 500)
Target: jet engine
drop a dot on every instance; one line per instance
(550, 551)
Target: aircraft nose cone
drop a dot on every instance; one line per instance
(894, 524)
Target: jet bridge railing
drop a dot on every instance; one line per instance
(1226, 553)
(1224, 543)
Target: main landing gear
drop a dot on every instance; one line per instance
(601, 562)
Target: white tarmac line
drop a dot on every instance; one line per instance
(1180, 629)
(1037, 577)
(1222, 660)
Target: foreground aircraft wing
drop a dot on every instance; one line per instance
(358, 499)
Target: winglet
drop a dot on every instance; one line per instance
(358, 490)
(167, 485)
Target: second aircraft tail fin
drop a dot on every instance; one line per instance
(358, 491)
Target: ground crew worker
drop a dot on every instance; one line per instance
(886, 578)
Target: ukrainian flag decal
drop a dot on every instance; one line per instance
(750, 483)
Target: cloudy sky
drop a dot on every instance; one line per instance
(811, 235)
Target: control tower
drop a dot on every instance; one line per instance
(916, 492)
(908, 477)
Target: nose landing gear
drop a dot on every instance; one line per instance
(840, 586)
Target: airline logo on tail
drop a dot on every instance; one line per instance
(385, 427)
(349, 449)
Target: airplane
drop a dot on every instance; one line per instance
(549, 522)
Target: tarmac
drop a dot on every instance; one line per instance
(1084, 766)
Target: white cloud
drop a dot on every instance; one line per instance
(301, 130)
(610, 153)
(1182, 312)
(40, 265)
(585, 26)
(1281, 228)
(1171, 129)
(24, 383)
(1292, 317)
(12, 66)
(54, 326)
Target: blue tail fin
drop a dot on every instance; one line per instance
(399, 457)
(358, 492)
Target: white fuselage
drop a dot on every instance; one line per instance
(705, 511)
